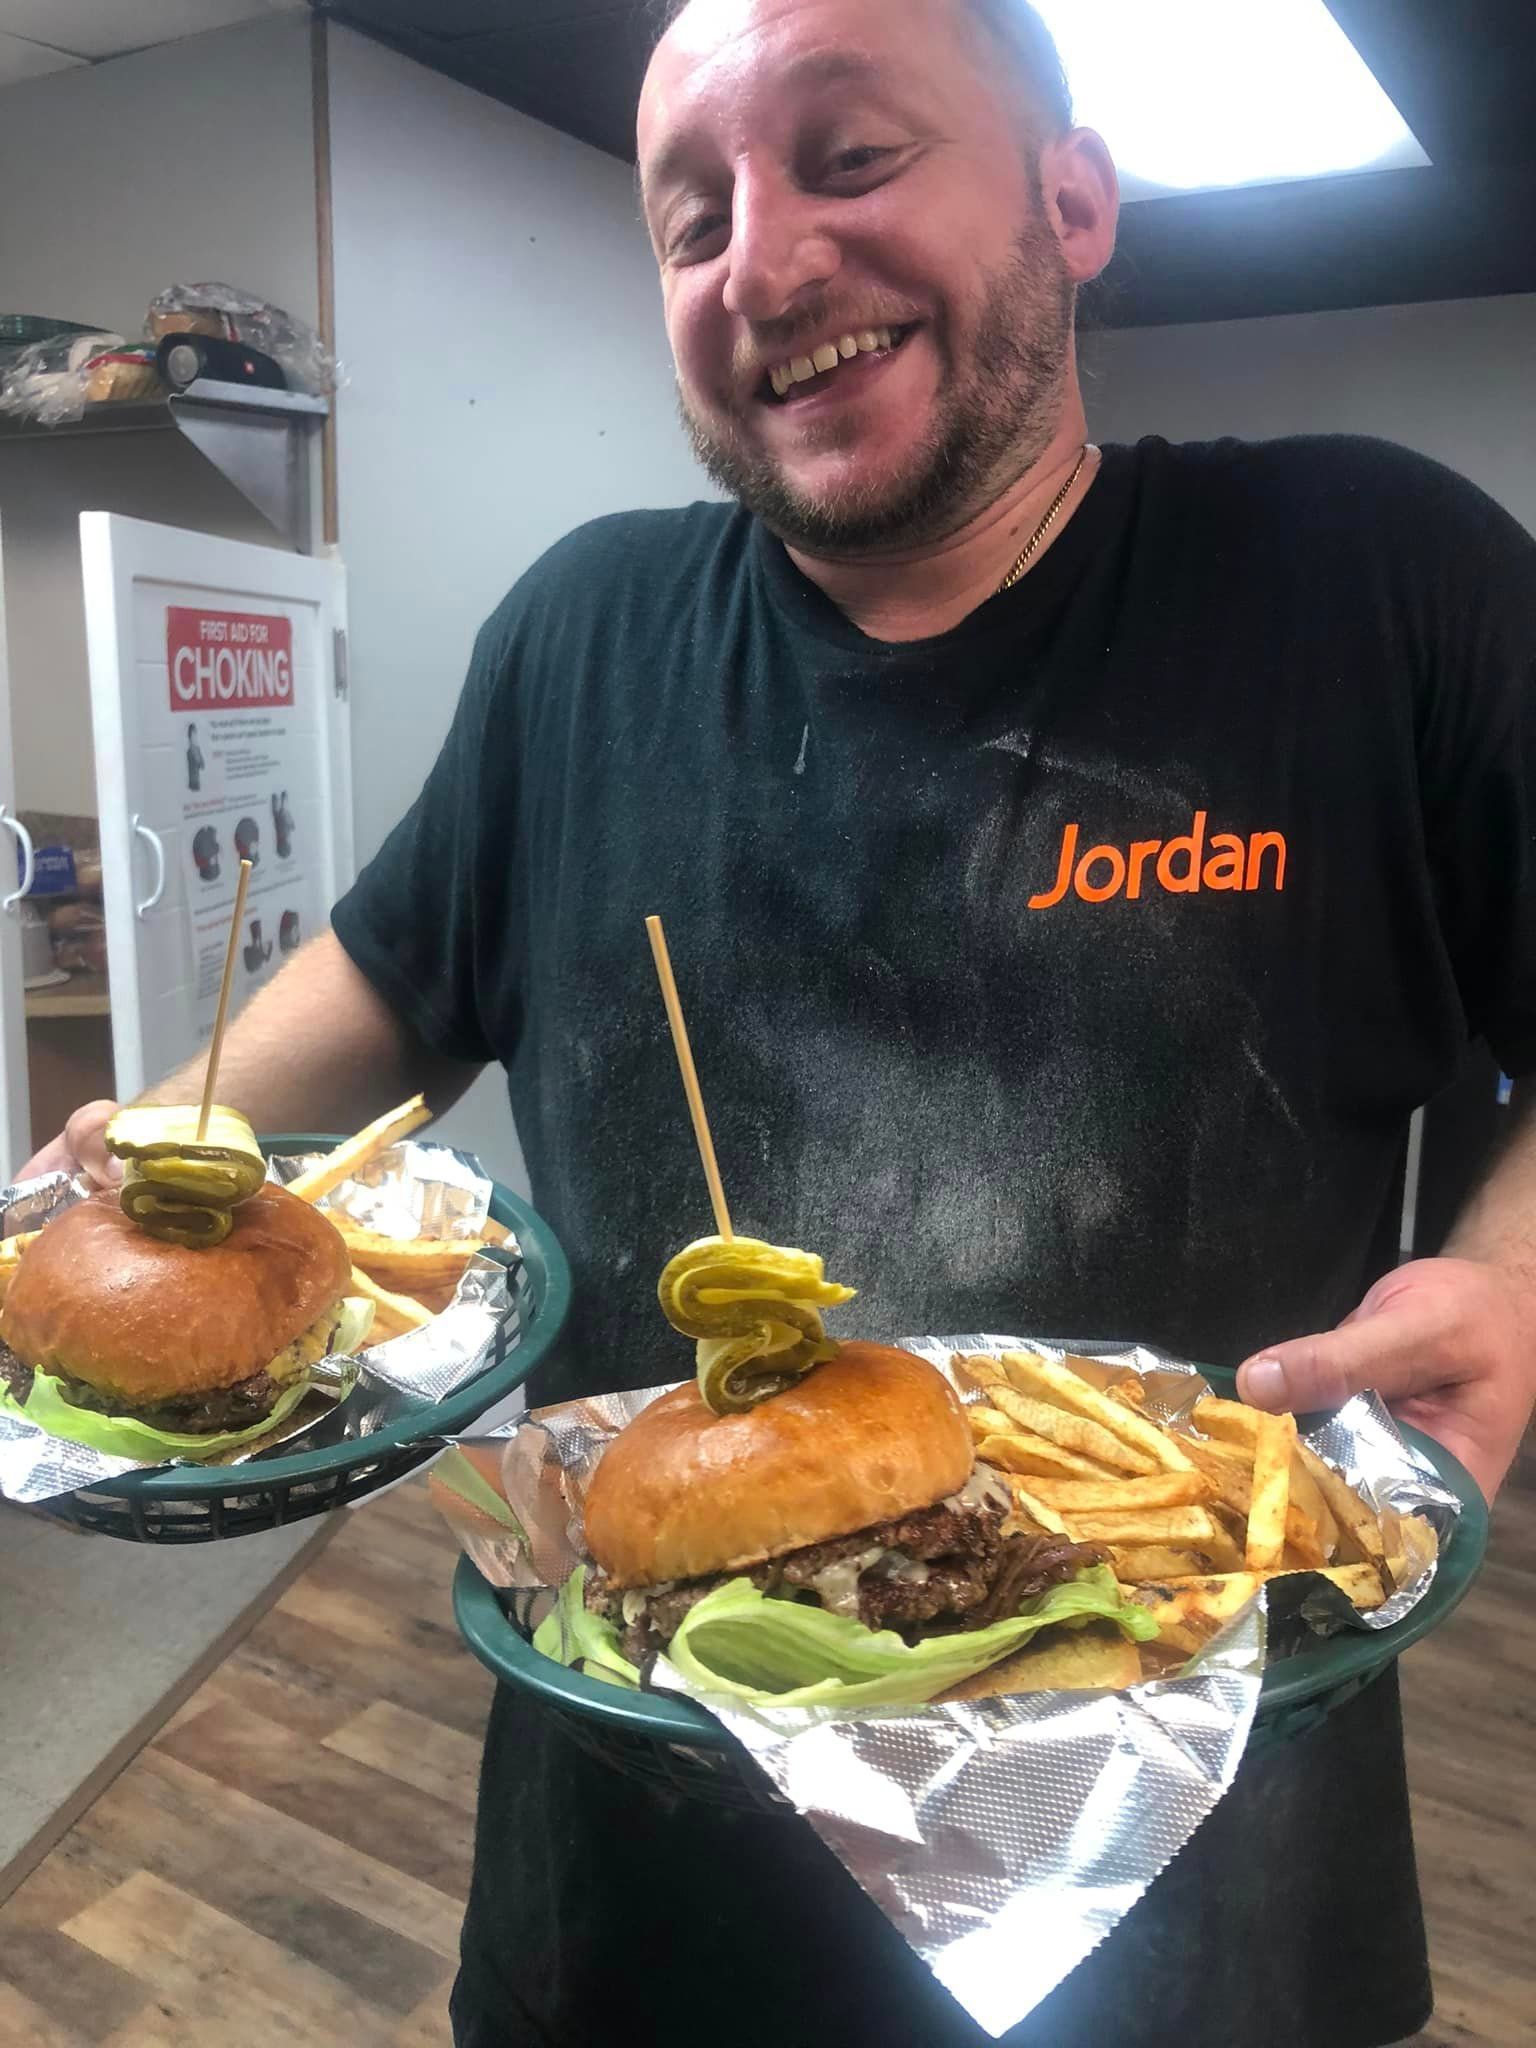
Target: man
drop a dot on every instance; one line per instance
(1078, 866)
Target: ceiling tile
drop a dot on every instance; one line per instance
(19, 60)
(103, 28)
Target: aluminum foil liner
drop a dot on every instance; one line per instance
(1003, 1838)
(413, 1189)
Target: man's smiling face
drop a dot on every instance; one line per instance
(869, 311)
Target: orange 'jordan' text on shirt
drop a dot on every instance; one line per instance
(1182, 866)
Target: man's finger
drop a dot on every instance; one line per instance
(1384, 1353)
(79, 1148)
(85, 1135)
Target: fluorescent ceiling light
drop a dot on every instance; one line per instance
(1196, 95)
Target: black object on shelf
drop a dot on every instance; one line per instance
(183, 359)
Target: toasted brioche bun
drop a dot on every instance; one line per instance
(1094, 1659)
(682, 1493)
(142, 1321)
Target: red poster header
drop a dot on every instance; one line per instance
(223, 660)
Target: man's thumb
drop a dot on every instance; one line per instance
(1324, 1372)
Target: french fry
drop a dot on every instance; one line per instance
(1198, 1607)
(1040, 1380)
(1157, 1490)
(1073, 1432)
(1151, 1563)
(1355, 1519)
(980, 1370)
(1226, 1552)
(1218, 1451)
(393, 1314)
(434, 1298)
(1231, 1422)
(985, 1421)
(1249, 1501)
(1014, 1450)
(1133, 1526)
(1230, 1472)
(377, 1137)
(1303, 1548)
(1274, 1440)
(1131, 1391)
(1227, 1458)
(1188, 1613)
(1038, 1512)
(430, 1268)
(1359, 1583)
(1307, 1497)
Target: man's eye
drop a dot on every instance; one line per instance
(849, 163)
(697, 231)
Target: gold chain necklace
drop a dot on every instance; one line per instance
(1044, 527)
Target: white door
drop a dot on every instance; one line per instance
(15, 875)
(219, 699)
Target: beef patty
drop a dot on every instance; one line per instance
(240, 1406)
(944, 1568)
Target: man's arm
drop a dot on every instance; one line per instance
(1449, 1342)
(317, 1049)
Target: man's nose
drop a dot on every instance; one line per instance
(780, 248)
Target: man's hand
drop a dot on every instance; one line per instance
(1448, 1343)
(79, 1149)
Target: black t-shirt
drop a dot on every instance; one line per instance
(1075, 972)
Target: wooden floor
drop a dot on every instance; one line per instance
(285, 1866)
(1469, 1696)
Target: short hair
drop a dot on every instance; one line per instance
(1017, 30)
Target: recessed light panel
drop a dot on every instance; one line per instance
(1199, 95)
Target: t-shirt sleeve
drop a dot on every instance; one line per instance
(1476, 719)
(415, 920)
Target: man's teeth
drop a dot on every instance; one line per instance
(801, 369)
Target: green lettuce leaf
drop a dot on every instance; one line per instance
(356, 1321)
(571, 1634)
(119, 1436)
(764, 1652)
(454, 1471)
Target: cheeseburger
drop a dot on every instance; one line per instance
(856, 1491)
(190, 1343)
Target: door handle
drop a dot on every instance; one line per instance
(157, 848)
(28, 859)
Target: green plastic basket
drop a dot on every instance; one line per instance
(665, 1740)
(191, 1504)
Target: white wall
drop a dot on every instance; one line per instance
(498, 312)
(1456, 380)
(182, 164)
(43, 487)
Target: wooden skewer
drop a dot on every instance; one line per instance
(217, 1045)
(690, 1076)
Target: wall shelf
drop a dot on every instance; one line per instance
(258, 440)
(83, 995)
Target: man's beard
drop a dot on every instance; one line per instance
(986, 431)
